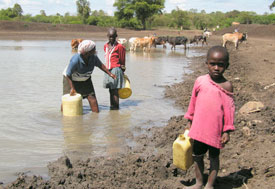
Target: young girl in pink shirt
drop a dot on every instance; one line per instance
(210, 115)
(115, 63)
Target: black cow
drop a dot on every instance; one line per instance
(179, 40)
(198, 38)
(161, 40)
(244, 37)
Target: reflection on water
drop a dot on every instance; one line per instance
(82, 140)
(33, 130)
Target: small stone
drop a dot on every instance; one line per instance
(257, 122)
(237, 78)
(246, 131)
(243, 123)
(251, 107)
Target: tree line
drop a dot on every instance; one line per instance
(142, 14)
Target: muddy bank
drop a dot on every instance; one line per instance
(247, 161)
(14, 30)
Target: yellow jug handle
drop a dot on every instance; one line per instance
(127, 78)
(186, 132)
(182, 137)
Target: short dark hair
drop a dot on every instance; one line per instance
(221, 49)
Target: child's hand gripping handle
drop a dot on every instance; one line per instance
(225, 138)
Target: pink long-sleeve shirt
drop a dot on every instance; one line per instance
(114, 57)
(211, 110)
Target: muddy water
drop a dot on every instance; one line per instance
(34, 132)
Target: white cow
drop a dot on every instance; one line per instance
(122, 41)
(132, 43)
(207, 33)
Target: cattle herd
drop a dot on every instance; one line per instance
(146, 43)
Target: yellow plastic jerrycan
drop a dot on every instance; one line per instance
(126, 91)
(182, 151)
(72, 105)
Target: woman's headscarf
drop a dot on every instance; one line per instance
(86, 46)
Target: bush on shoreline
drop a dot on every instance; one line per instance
(177, 19)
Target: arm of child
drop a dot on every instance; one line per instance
(229, 112)
(121, 55)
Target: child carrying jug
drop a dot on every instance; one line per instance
(210, 115)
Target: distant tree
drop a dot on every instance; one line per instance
(147, 8)
(43, 13)
(162, 20)
(99, 13)
(140, 9)
(193, 10)
(200, 21)
(272, 5)
(9, 13)
(67, 14)
(17, 10)
(125, 12)
(83, 9)
(246, 17)
(180, 18)
(27, 17)
(106, 21)
(232, 14)
(217, 19)
(98, 17)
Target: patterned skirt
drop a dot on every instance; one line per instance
(111, 83)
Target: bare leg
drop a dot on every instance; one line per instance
(199, 168)
(93, 103)
(114, 99)
(214, 168)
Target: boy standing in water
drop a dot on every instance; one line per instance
(115, 63)
(211, 115)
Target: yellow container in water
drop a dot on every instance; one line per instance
(182, 151)
(126, 91)
(72, 105)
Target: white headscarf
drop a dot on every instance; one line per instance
(86, 46)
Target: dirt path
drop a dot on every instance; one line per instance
(246, 162)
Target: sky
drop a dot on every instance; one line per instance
(51, 7)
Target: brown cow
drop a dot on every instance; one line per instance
(75, 43)
(145, 43)
(235, 38)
